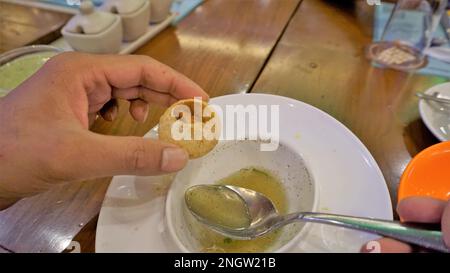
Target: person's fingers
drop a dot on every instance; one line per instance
(92, 117)
(421, 210)
(139, 110)
(144, 94)
(386, 245)
(445, 222)
(110, 110)
(127, 71)
(98, 156)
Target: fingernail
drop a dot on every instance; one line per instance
(145, 117)
(173, 159)
(112, 113)
(447, 241)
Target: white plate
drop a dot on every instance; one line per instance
(436, 116)
(132, 218)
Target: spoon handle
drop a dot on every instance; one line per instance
(432, 98)
(430, 239)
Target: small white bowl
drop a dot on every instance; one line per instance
(229, 157)
(436, 116)
(18, 53)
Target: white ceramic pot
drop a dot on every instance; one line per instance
(135, 15)
(160, 10)
(94, 31)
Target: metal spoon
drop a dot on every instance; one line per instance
(264, 218)
(433, 97)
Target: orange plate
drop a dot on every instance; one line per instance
(428, 174)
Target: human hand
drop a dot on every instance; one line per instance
(44, 136)
(418, 210)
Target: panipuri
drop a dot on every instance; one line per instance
(192, 125)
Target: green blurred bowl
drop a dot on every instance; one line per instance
(14, 68)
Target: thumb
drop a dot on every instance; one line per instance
(446, 225)
(421, 209)
(114, 155)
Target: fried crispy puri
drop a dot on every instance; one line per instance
(182, 115)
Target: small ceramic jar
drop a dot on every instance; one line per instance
(94, 31)
(160, 10)
(135, 15)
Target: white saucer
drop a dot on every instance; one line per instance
(435, 115)
(132, 218)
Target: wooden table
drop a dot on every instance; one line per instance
(21, 26)
(223, 46)
(315, 56)
(320, 60)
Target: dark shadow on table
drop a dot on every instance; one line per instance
(417, 137)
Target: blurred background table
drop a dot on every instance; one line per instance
(320, 60)
(310, 50)
(21, 26)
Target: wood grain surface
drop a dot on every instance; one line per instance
(228, 46)
(320, 60)
(223, 45)
(21, 26)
